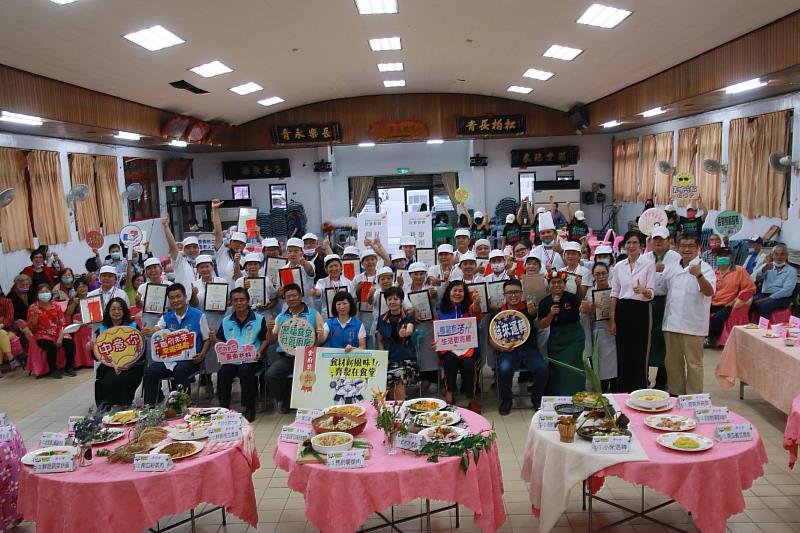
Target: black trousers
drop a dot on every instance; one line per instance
(111, 388)
(51, 352)
(719, 315)
(158, 371)
(277, 377)
(247, 381)
(468, 366)
(634, 320)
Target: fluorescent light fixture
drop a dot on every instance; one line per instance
(177, 143)
(385, 43)
(653, 112)
(246, 88)
(128, 136)
(518, 89)
(366, 145)
(394, 83)
(17, 118)
(435, 141)
(755, 83)
(390, 67)
(562, 52)
(376, 7)
(612, 124)
(209, 70)
(537, 74)
(154, 38)
(603, 16)
(62, 2)
(271, 101)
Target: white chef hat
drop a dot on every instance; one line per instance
(546, 221)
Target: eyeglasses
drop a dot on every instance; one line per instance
(512, 293)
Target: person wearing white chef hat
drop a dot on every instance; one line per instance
(548, 251)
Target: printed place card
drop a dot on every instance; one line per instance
(709, 415)
(411, 441)
(6, 433)
(794, 321)
(780, 331)
(547, 420)
(549, 402)
(49, 438)
(152, 462)
(53, 463)
(733, 432)
(693, 401)
(347, 459)
(763, 323)
(73, 420)
(294, 434)
(226, 420)
(611, 444)
(305, 416)
(224, 434)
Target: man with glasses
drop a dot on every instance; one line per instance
(778, 280)
(509, 360)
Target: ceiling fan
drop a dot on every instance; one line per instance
(712, 166)
(7, 196)
(780, 162)
(79, 193)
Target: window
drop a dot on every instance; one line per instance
(241, 192)
(145, 173)
(278, 197)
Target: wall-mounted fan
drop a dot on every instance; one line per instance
(780, 162)
(79, 193)
(7, 196)
(132, 192)
(712, 166)
(665, 167)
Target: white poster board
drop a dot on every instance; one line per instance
(372, 225)
(419, 226)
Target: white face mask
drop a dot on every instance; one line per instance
(309, 252)
(498, 267)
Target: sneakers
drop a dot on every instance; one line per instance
(70, 372)
(505, 408)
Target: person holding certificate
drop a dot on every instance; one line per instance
(226, 256)
(601, 343)
(152, 273)
(210, 295)
(418, 299)
(294, 252)
(362, 284)
(260, 291)
(327, 287)
(395, 328)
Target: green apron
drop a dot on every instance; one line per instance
(658, 349)
(566, 344)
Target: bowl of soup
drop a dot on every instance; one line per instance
(650, 398)
(332, 441)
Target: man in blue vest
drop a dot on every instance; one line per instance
(245, 327)
(182, 316)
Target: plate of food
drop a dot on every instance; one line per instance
(422, 405)
(50, 451)
(770, 335)
(601, 428)
(189, 431)
(108, 435)
(666, 407)
(446, 434)
(751, 326)
(203, 414)
(180, 450)
(352, 409)
(685, 442)
(328, 422)
(122, 418)
(437, 418)
(591, 400)
(670, 422)
(650, 398)
(333, 441)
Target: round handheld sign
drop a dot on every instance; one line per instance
(131, 236)
(729, 223)
(94, 239)
(461, 195)
(296, 332)
(119, 347)
(651, 219)
(510, 328)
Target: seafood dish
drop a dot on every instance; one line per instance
(437, 418)
(446, 434)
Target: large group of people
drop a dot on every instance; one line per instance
(655, 302)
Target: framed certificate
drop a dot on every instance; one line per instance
(273, 265)
(406, 277)
(602, 297)
(330, 292)
(423, 309)
(92, 309)
(155, 298)
(364, 305)
(289, 275)
(216, 297)
(481, 290)
(534, 287)
(383, 306)
(495, 290)
(351, 268)
(482, 264)
(257, 288)
(427, 256)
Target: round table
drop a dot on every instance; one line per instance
(112, 498)
(707, 484)
(11, 452)
(339, 501)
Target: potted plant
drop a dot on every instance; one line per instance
(176, 402)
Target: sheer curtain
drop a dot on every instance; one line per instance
(362, 188)
(687, 155)
(663, 153)
(81, 171)
(49, 206)
(15, 224)
(450, 183)
(709, 146)
(647, 186)
(108, 193)
(626, 157)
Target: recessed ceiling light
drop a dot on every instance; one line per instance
(154, 38)
(394, 83)
(390, 67)
(518, 89)
(385, 43)
(538, 74)
(128, 136)
(246, 88)
(376, 7)
(435, 141)
(603, 16)
(562, 52)
(271, 101)
(17, 118)
(366, 144)
(62, 2)
(755, 83)
(653, 112)
(612, 124)
(177, 143)
(209, 70)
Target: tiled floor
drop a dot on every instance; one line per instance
(773, 503)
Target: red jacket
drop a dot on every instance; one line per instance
(51, 273)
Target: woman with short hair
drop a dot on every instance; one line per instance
(117, 387)
(46, 322)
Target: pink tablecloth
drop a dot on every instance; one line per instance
(766, 364)
(791, 436)
(338, 501)
(114, 499)
(11, 453)
(707, 484)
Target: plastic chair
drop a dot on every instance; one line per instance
(781, 316)
(37, 359)
(738, 317)
(83, 356)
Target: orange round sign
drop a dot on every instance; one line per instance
(94, 239)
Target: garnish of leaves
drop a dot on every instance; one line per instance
(462, 448)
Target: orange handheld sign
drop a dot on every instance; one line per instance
(94, 239)
(119, 347)
(176, 345)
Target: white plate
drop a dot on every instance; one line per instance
(72, 328)
(686, 423)
(361, 410)
(27, 459)
(667, 440)
(430, 431)
(107, 419)
(118, 433)
(448, 418)
(204, 412)
(178, 435)
(635, 407)
(441, 404)
(198, 447)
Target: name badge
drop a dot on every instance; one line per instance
(305, 416)
(547, 420)
(412, 441)
(611, 444)
(49, 438)
(347, 459)
(733, 432)
(226, 420)
(53, 463)
(152, 462)
(711, 414)
(549, 402)
(6, 434)
(294, 434)
(693, 401)
(224, 434)
(73, 420)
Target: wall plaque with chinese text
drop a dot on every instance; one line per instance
(119, 347)
(255, 170)
(542, 157)
(510, 328)
(491, 125)
(398, 129)
(307, 133)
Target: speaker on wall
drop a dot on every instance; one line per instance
(578, 116)
(587, 197)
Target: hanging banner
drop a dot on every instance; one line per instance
(372, 226)
(119, 347)
(418, 225)
(491, 125)
(168, 346)
(542, 157)
(260, 169)
(684, 187)
(307, 133)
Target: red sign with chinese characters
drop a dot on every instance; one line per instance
(173, 345)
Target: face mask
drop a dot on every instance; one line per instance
(24, 289)
(116, 255)
(479, 221)
(309, 253)
(724, 261)
(171, 276)
(66, 280)
(714, 247)
(548, 244)
(37, 263)
(777, 264)
(45, 296)
(498, 267)
(604, 261)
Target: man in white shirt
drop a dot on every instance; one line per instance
(294, 252)
(108, 288)
(409, 247)
(548, 251)
(690, 285)
(226, 255)
(462, 242)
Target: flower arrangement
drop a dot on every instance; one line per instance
(88, 430)
(176, 402)
(392, 419)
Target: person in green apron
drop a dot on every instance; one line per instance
(662, 256)
(560, 310)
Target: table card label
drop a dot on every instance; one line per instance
(6, 433)
(711, 414)
(226, 420)
(152, 462)
(794, 321)
(346, 459)
(693, 401)
(780, 331)
(293, 434)
(73, 420)
(611, 444)
(305, 416)
(49, 438)
(547, 420)
(411, 441)
(53, 463)
(549, 402)
(224, 434)
(733, 432)
(763, 323)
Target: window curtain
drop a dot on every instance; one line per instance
(15, 224)
(450, 183)
(81, 172)
(647, 185)
(49, 205)
(626, 157)
(362, 189)
(663, 153)
(754, 189)
(687, 155)
(108, 193)
(709, 146)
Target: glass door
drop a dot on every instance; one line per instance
(392, 201)
(418, 200)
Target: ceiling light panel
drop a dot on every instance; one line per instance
(209, 70)
(246, 88)
(18, 118)
(128, 136)
(177, 143)
(565, 53)
(520, 90)
(154, 38)
(537, 74)
(394, 83)
(376, 7)
(611, 124)
(390, 67)
(271, 101)
(653, 112)
(62, 2)
(603, 16)
(745, 86)
(385, 43)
